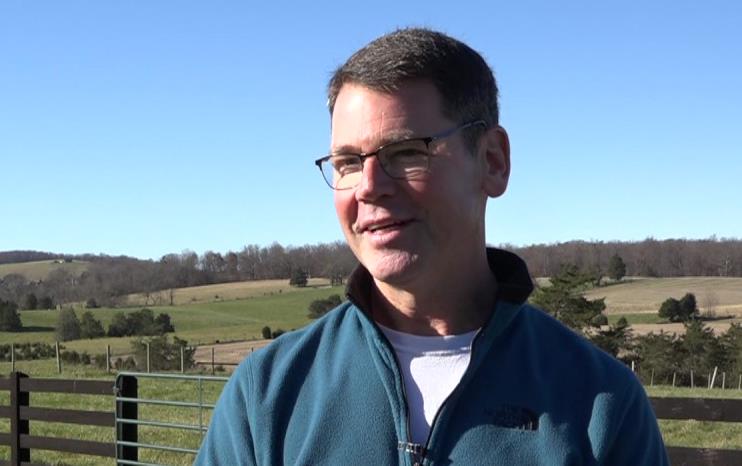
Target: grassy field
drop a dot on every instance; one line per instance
(645, 295)
(39, 270)
(220, 292)
(198, 323)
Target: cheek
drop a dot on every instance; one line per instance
(346, 208)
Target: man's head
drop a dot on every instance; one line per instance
(461, 76)
(416, 225)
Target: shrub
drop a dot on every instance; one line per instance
(91, 303)
(30, 302)
(68, 325)
(320, 307)
(163, 355)
(10, 320)
(298, 278)
(90, 327)
(277, 333)
(266, 332)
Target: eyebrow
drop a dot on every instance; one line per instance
(389, 138)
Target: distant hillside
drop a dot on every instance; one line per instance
(722, 295)
(40, 270)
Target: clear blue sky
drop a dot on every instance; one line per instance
(150, 127)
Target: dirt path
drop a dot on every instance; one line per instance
(228, 354)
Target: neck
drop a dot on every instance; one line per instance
(450, 305)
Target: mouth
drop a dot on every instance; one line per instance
(384, 226)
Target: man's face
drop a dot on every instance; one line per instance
(407, 231)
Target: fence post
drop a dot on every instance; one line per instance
(691, 379)
(125, 410)
(59, 362)
(108, 358)
(17, 426)
(182, 359)
(212, 360)
(12, 357)
(713, 378)
(148, 362)
(673, 379)
(723, 380)
(651, 380)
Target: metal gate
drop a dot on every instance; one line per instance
(159, 424)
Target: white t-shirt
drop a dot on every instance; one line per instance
(431, 367)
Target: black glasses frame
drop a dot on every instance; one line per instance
(363, 156)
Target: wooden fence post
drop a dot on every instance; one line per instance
(126, 432)
(12, 357)
(673, 379)
(182, 359)
(651, 380)
(713, 378)
(148, 362)
(59, 362)
(108, 358)
(723, 380)
(212, 360)
(691, 379)
(17, 426)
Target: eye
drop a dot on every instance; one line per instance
(346, 164)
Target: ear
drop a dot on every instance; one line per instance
(495, 159)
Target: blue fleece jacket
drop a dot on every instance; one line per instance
(535, 393)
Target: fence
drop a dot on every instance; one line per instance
(700, 409)
(124, 418)
(127, 421)
(21, 413)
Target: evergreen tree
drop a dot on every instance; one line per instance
(90, 327)
(10, 320)
(616, 267)
(298, 278)
(68, 325)
(564, 300)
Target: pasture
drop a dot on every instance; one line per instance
(198, 323)
(40, 270)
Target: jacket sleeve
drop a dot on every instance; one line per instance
(229, 439)
(637, 439)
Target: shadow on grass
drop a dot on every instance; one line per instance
(35, 328)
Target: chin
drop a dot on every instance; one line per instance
(393, 267)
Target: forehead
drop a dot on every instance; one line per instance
(364, 118)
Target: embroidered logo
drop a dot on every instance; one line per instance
(513, 417)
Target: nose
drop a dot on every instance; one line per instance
(374, 183)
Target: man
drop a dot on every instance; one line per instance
(435, 359)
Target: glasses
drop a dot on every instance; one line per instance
(402, 160)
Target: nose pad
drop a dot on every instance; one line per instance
(374, 181)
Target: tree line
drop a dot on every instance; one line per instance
(109, 278)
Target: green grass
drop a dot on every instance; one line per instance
(723, 294)
(173, 390)
(40, 270)
(200, 323)
(679, 433)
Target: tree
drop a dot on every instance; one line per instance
(298, 278)
(614, 340)
(10, 320)
(163, 355)
(46, 303)
(679, 311)
(563, 299)
(119, 326)
(320, 307)
(68, 325)
(163, 323)
(90, 327)
(266, 332)
(91, 303)
(670, 310)
(616, 267)
(30, 302)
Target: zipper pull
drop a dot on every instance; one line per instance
(417, 451)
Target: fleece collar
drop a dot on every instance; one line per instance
(513, 280)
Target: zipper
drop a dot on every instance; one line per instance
(418, 451)
(440, 408)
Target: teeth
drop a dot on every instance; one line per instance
(379, 227)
